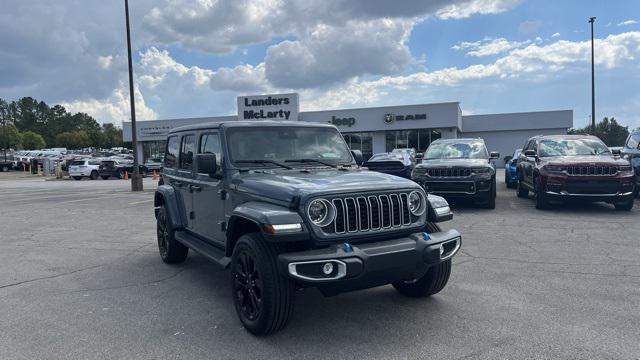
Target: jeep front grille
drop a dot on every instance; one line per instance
(365, 213)
(592, 170)
(449, 172)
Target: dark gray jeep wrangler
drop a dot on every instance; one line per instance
(284, 206)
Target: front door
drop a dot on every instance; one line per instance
(208, 195)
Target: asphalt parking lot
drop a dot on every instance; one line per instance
(80, 278)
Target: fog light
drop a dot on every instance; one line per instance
(327, 269)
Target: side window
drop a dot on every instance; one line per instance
(210, 144)
(171, 155)
(186, 152)
(634, 141)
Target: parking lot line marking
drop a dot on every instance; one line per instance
(93, 198)
(140, 202)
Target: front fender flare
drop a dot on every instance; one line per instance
(262, 214)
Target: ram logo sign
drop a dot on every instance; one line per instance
(390, 118)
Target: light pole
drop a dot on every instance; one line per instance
(4, 136)
(136, 179)
(593, 82)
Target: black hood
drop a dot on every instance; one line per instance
(285, 184)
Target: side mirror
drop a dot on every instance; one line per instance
(615, 152)
(357, 156)
(530, 153)
(419, 155)
(206, 164)
(494, 155)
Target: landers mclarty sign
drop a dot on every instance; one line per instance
(268, 107)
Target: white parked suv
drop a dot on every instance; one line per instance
(84, 167)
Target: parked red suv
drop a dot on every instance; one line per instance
(562, 167)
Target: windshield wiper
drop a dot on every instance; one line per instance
(310, 161)
(263, 162)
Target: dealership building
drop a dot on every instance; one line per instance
(378, 129)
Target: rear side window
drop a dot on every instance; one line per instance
(186, 152)
(171, 155)
(634, 141)
(78, 162)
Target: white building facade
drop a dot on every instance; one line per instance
(378, 129)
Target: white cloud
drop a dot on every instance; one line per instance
(114, 109)
(488, 46)
(555, 34)
(468, 8)
(628, 22)
(334, 53)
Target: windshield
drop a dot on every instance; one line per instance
(286, 144)
(572, 147)
(460, 150)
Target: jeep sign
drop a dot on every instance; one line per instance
(347, 121)
(268, 107)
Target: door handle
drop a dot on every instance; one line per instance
(193, 188)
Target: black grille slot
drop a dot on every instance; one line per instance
(386, 211)
(363, 210)
(404, 202)
(375, 212)
(340, 218)
(352, 214)
(396, 210)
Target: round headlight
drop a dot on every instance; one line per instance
(416, 203)
(320, 212)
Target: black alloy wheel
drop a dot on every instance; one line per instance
(171, 251)
(248, 285)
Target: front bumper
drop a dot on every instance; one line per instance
(589, 188)
(469, 187)
(370, 264)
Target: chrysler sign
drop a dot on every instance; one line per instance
(268, 107)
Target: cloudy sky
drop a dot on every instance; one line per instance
(193, 57)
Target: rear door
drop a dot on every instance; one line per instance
(178, 170)
(208, 195)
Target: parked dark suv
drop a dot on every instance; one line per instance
(631, 152)
(285, 206)
(109, 168)
(578, 167)
(459, 168)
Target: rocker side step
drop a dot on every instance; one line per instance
(209, 251)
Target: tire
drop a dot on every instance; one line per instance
(506, 180)
(541, 199)
(5, 168)
(625, 206)
(171, 251)
(522, 191)
(263, 298)
(78, 177)
(491, 198)
(430, 283)
(106, 177)
(93, 175)
(120, 174)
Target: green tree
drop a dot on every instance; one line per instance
(608, 130)
(32, 140)
(9, 137)
(73, 139)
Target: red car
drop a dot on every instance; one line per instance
(574, 167)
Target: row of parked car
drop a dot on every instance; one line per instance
(553, 168)
(80, 164)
